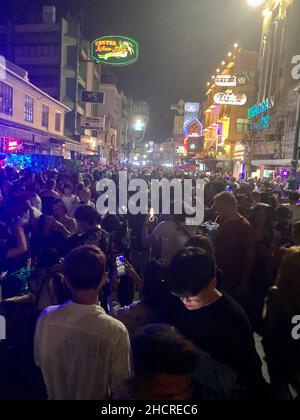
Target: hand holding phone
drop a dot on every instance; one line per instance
(120, 264)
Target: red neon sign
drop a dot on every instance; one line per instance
(12, 145)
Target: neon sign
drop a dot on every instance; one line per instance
(195, 129)
(192, 107)
(115, 50)
(230, 99)
(11, 145)
(260, 125)
(261, 108)
(227, 80)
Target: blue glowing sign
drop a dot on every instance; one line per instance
(261, 108)
(261, 124)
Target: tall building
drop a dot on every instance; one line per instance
(231, 90)
(31, 121)
(273, 118)
(56, 55)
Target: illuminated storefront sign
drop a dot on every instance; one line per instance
(192, 107)
(239, 151)
(115, 50)
(195, 145)
(10, 145)
(191, 113)
(195, 129)
(262, 124)
(180, 150)
(227, 80)
(241, 80)
(230, 99)
(261, 108)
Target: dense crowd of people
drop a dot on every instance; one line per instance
(179, 323)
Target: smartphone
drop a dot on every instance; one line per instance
(120, 263)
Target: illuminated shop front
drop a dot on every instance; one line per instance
(239, 161)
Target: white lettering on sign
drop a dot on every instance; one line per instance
(230, 99)
(2, 328)
(296, 69)
(296, 329)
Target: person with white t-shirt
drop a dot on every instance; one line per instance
(69, 199)
(171, 235)
(83, 353)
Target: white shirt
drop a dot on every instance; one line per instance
(83, 353)
(172, 237)
(70, 202)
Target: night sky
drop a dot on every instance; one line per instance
(182, 44)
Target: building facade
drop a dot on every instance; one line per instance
(56, 55)
(31, 121)
(273, 119)
(230, 92)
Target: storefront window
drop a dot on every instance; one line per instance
(57, 121)
(45, 116)
(241, 125)
(6, 99)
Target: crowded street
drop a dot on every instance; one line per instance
(149, 245)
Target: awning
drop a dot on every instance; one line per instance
(12, 129)
(73, 147)
(274, 162)
(16, 133)
(40, 139)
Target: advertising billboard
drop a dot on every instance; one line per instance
(115, 50)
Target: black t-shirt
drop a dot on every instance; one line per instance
(222, 330)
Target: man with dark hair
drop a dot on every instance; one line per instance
(83, 353)
(89, 230)
(211, 319)
(163, 361)
(235, 247)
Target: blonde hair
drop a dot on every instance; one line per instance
(288, 280)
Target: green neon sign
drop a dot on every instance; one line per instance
(115, 50)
